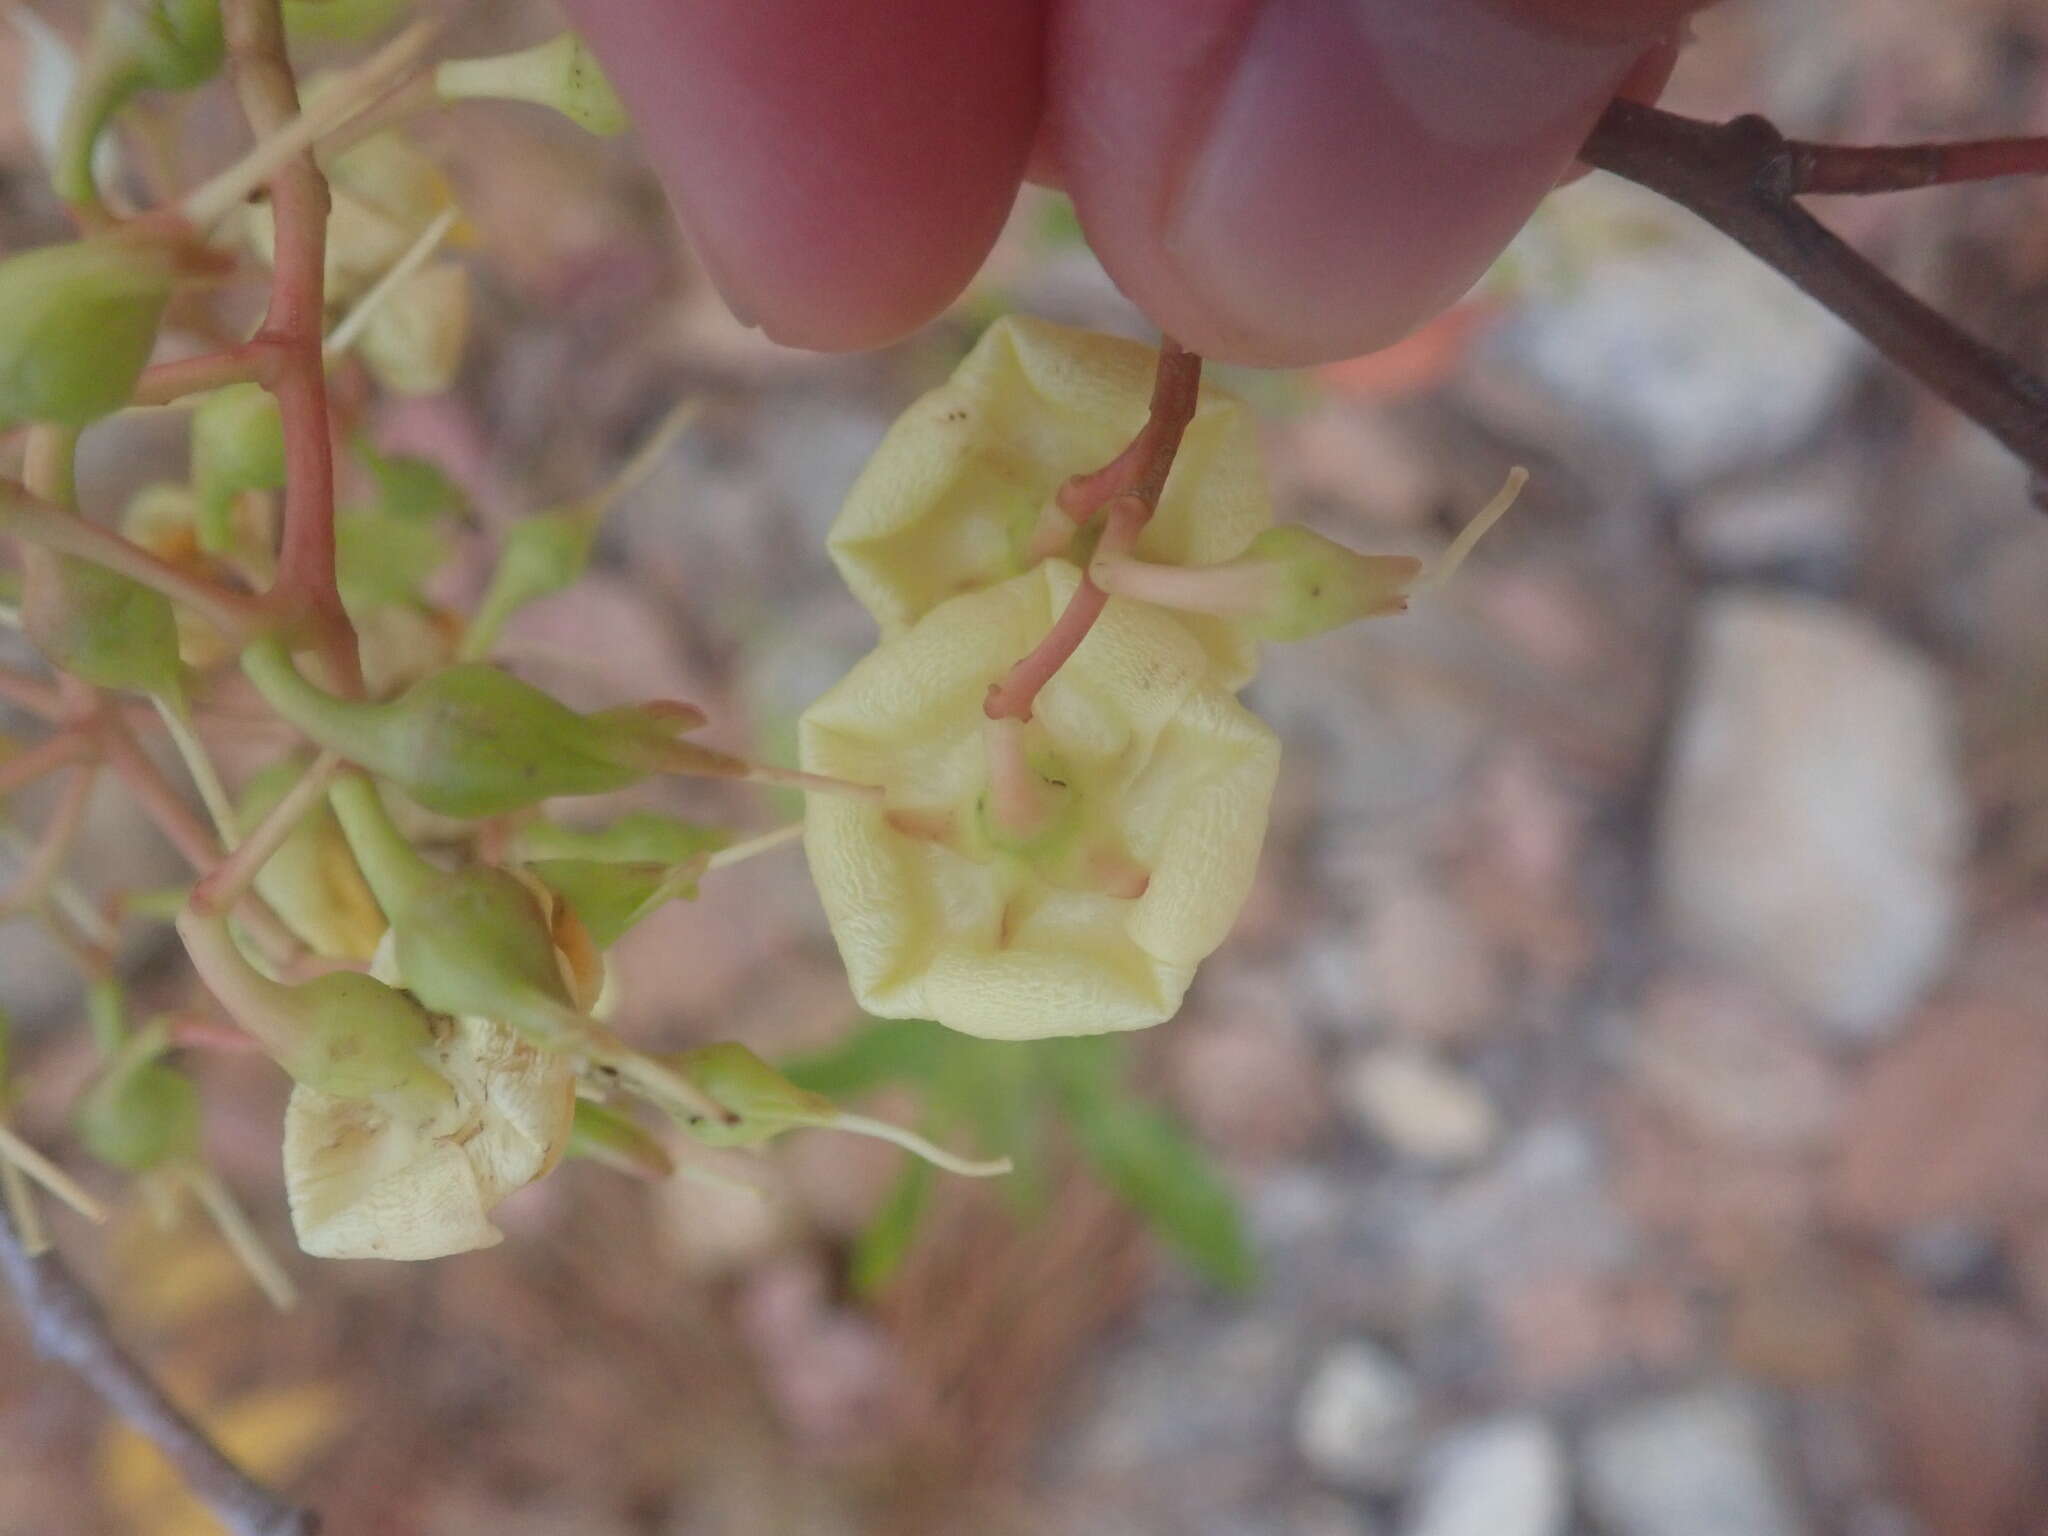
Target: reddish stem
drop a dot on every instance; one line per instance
(1855, 169)
(45, 757)
(1142, 467)
(294, 325)
(253, 362)
(54, 846)
(26, 693)
(1130, 485)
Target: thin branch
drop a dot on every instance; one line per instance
(28, 693)
(1857, 169)
(1742, 177)
(68, 1325)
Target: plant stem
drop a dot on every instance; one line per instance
(45, 757)
(66, 1324)
(234, 874)
(164, 383)
(54, 846)
(1128, 488)
(27, 693)
(738, 853)
(294, 323)
(188, 834)
(38, 523)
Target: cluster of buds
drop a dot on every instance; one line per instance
(386, 909)
(1075, 796)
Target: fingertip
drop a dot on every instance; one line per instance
(841, 170)
(1305, 180)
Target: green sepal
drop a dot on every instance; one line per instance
(610, 899)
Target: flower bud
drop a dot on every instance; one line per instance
(345, 1034)
(77, 322)
(762, 1104)
(471, 740)
(139, 1114)
(951, 500)
(559, 73)
(237, 446)
(475, 941)
(413, 342)
(103, 627)
(1135, 846)
(312, 882)
(762, 1101)
(619, 1142)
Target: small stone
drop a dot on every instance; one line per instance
(1945, 1122)
(1428, 969)
(1355, 1422)
(1804, 519)
(1729, 1063)
(1422, 1109)
(1698, 1464)
(1248, 1079)
(1682, 378)
(1500, 1477)
(1814, 824)
(1963, 1397)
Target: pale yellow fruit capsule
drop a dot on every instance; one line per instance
(402, 1179)
(380, 1179)
(964, 482)
(1152, 785)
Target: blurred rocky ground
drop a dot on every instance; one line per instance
(1633, 1061)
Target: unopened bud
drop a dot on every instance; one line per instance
(559, 73)
(1315, 584)
(344, 1034)
(139, 1114)
(762, 1101)
(413, 341)
(237, 446)
(472, 740)
(77, 322)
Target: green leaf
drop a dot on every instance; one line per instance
(1151, 1163)
(878, 1052)
(880, 1250)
